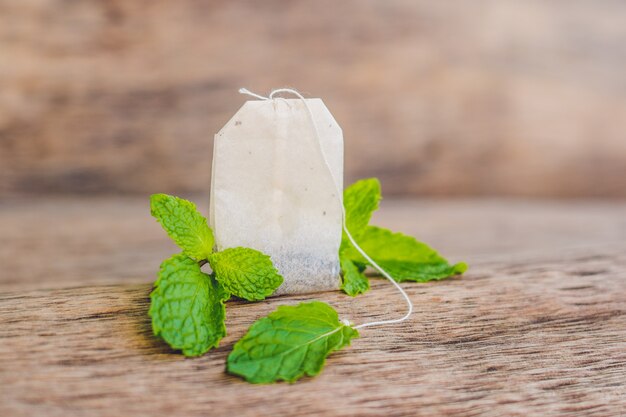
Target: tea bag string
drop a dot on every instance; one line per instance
(343, 210)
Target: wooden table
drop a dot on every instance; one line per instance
(536, 327)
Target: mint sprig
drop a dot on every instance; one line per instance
(291, 342)
(360, 200)
(246, 273)
(187, 305)
(400, 255)
(182, 222)
(353, 280)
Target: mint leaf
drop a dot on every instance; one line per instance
(403, 271)
(187, 307)
(353, 281)
(289, 343)
(245, 273)
(402, 256)
(183, 224)
(360, 200)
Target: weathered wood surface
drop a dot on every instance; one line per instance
(531, 330)
(60, 242)
(509, 339)
(482, 97)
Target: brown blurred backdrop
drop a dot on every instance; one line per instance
(503, 97)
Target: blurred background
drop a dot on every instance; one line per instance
(497, 128)
(445, 98)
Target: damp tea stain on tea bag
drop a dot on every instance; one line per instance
(271, 189)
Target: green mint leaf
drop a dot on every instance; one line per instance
(289, 343)
(402, 256)
(245, 273)
(187, 307)
(353, 281)
(403, 271)
(183, 224)
(360, 200)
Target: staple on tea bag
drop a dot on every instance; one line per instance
(271, 191)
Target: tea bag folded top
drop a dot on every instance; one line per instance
(272, 191)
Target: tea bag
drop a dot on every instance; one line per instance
(271, 189)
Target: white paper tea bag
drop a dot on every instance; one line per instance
(271, 189)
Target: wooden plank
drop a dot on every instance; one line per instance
(511, 338)
(59, 242)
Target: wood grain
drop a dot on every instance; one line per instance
(545, 338)
(60, 242)
(536, 327)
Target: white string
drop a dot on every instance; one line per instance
(343, 210)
